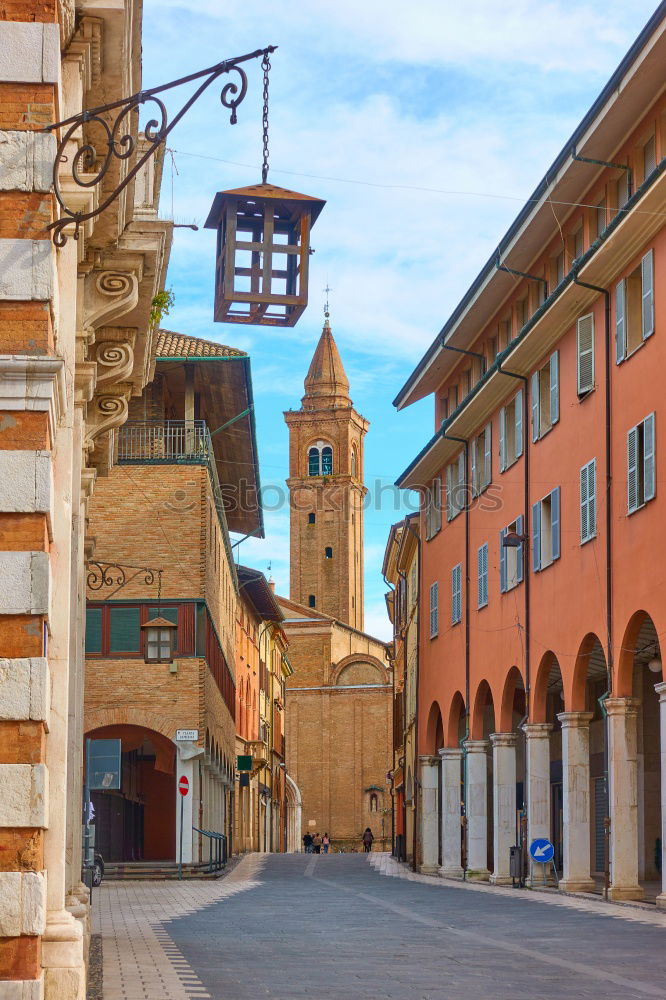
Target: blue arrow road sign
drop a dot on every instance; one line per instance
(542, 850)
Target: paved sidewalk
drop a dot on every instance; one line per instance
(643, 913)
(141, 962)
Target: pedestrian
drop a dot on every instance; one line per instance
(307, 843)
(326, 843)
(367, 840)
(317, 843)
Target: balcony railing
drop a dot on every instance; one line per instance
(164, 441)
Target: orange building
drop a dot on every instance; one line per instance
(542, 704)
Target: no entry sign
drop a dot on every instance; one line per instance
(183, 785)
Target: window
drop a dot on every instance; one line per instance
(640, 464)
(522, 314)
(622, 190)
(482, 575)
(311, 518)
(649, 157)
(353, 462)
(327, 461)
(433, 508)
(634, 308)
(559, 268)
(328, 552)
(585, 354)
(313, 462)
(546, 397)
(482, 461)
(511, 557)
(588, 501)
(455, 487)
(434, 609)
(546, 531)
(93, 630)
(125, 633)
(320, 460)
(311, 601)
(511, 431)
(575, 244)
(600, 216)
(456, 594)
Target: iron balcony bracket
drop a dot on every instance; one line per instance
(88, 169)
(107, 574)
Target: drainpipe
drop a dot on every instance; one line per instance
(609, 563)
(415, 800)
(463, 441)
(526, 566)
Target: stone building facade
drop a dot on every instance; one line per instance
(339, 699)
(75, 339)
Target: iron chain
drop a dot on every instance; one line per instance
(265, 65)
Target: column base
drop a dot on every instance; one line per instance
(661, 900)
(455, 872)
(577, 885)
(62, 957)
(620, 892)
(477, 875)
(500, 879)
(429, 869)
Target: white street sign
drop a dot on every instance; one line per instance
(187, 735)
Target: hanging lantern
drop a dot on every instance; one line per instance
(159, 637)
(263, 247)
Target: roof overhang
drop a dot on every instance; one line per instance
(635, 85)
(254, 585)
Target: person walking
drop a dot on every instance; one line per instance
(367, 840)
(307, 843)
(317, 843)
(326, 843)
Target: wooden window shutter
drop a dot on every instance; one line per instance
(632, 470)
(555, 523)
(647, 285)
(585, 354)
(536, 408)
(620, 326)
(518, 403)
(584, 504)
(434, 610)
(592, 497)
(93, 630)
(520, 551)
(502, 561)
(536, 536)
(476, 485)
(554, 372)
(487, 455)
(502, 439)
(648, 458)
(125, 634)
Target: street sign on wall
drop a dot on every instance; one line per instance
(187, 735)
(244, 763)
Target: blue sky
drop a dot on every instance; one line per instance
(371, 104)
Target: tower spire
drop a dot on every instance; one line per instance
(326, 383)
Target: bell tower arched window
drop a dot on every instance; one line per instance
(320, 460)
(353, 462)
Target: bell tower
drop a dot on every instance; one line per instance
(326, 490)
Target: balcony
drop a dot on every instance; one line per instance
(164, 441)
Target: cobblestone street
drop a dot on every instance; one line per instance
(345, 926)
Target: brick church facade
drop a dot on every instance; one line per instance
(339, 701)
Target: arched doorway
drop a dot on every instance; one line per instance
(430, 819)
(453, 791)
(138, 822)
(634, 717)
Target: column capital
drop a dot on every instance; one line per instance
(450, 753)
(575, 720)
(503, 739)
(622, 706)
(660, 688)
(476, 746)
(428, 760)
(538, 730)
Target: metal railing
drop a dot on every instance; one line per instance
(217, 848)
(164, 441)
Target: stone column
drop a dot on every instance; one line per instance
(477, 810)
(661, 691)
(429, 819)
(504, 804)
(623, 779)
(537, 765)
(451, 758)
(576, 786)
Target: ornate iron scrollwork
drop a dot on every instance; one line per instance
(89, 166)
(106, 574)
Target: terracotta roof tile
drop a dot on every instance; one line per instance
(177, 345)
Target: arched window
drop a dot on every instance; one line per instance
(311, 601)
(327, 461)
(328, 552)
(353, 462)
(313, 462)
(311, 519)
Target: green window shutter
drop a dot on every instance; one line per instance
(93, 630)
(125, 630)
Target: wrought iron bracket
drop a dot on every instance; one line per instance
(89, 167)
(108, 574)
